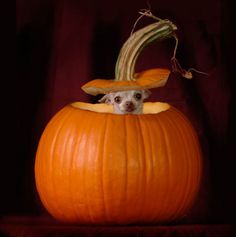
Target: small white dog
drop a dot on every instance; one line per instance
(126, 102)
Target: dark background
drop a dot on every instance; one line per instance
(63, 44)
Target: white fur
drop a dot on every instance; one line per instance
(128, 104)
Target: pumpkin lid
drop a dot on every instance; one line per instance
(148, 79)
(125, 77)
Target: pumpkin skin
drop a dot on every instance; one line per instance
(104, 168)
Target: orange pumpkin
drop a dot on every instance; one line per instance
(93, 166)
(105, 168)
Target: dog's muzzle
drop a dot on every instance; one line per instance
(129, 106)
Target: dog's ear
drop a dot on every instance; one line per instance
(146, 94)
(105, 99)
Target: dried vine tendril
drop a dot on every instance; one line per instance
(176, 67)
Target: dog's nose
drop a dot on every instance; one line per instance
(129, 106)
(129, 103)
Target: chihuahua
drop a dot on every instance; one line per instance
(126, 102)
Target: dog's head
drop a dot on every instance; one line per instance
(126, 102)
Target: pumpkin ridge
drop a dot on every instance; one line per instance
(85, 140)
(63, 159)
(151, 161)
(51, 152)
(155, 129)
(193, 134)
(169, 164)
(195, 156)
(143, 158)
(85, 167)
(189, 186)
(181, 205)
(188, 133)
(126, 163)
(77, 158)
(70, 191)
(39, 168)
(40, 163)
(73, 163)
(53, 160)
(103, 157)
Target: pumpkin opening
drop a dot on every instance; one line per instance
(148, 107)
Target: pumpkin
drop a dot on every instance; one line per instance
(96, 167)
(103, 168)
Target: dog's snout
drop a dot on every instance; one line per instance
(129, 103)
(129, 106)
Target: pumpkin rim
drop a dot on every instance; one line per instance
(148, 107)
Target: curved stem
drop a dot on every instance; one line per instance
(130, 51)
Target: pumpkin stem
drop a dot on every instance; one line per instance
(130, 51)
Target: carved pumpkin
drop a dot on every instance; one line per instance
(96, 167)
(93, 166)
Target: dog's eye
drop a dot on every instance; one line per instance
(138, 96)
(117, 99)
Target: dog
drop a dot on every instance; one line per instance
(126, 102)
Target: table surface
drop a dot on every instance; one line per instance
(27, 226)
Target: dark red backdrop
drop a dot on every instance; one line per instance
(63, 44)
